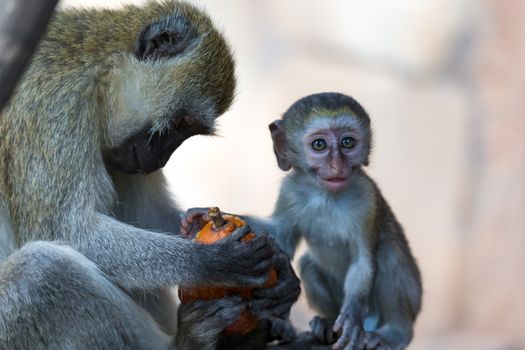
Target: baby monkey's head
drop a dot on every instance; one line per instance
(326, 136)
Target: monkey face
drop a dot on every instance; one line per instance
(332, 154)
(144, 152)
(174, 84)
(331, 149)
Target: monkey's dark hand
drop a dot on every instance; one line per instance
(278, 300)
(349, 324)
(231, 262)
(200, 322)
(282, 330)
(322, 329)
(193, 221)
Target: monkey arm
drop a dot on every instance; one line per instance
(138, 259)
(357, 286)
(358, 281)
(278, 228)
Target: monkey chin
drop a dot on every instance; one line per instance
(334, 184)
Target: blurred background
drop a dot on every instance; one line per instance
(444, 83)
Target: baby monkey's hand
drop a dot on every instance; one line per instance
(193, 221)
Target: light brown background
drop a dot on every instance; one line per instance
(444, 83)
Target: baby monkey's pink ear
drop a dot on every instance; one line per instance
(280, 145)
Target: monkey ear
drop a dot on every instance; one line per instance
(280, 145)
(156, 41)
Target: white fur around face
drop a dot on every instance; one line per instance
(137, 97)
(333, 225)
(144, 94)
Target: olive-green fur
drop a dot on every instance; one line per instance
(328, 104)
(56, 127)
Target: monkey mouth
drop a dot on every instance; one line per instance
(334, 184)
(145, 152)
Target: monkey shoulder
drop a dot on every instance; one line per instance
(392, 243)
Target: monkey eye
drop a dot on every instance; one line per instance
(319, 145)
(348, 142)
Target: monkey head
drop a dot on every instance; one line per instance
(326, 136)
(174, 78)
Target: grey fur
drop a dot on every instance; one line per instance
(84, 93)
(359, 266)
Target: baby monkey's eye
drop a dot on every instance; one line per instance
(348, 142)
(319, 144)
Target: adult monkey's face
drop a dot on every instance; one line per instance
(173, 84)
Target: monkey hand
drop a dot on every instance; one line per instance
(349, 324)
(231, 262)
(322, 329)
(374, 341)
(282, 330)
(193, 221)
(277, 301)
(200, 322)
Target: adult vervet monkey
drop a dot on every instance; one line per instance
(85, 219)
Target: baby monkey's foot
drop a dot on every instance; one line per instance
(322, 329)
(372, 341)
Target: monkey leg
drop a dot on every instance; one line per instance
(324, 295)
(52, 297)
(395, 299)
(161, 304)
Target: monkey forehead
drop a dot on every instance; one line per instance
(168, 13)
(341, 120)
(329, 104)
(79, 33)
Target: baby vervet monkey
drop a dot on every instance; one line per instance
(359, 274)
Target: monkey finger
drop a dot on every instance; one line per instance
(263, 266)
(260, 308)
(262, 242)
(344, 338)
(229, 311)
(282, 329)
(283, 309)
(249, 260)
(284, 290)
(249, 278)
(329, 335)
(194, 219)
(238, 234)
(254, 256)
(338, 323)
(316, 329)
(280, 298)
(372, 341)
(356, 338)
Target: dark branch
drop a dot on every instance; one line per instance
(22, 23)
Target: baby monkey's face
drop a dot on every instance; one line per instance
(333, 151)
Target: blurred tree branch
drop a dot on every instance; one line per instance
(22, 23)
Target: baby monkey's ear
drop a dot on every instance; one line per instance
(280, 145)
